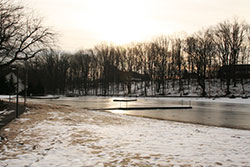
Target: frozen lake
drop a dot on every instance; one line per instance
(228, 113)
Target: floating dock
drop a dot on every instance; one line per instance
(44, 97)
(124, 100)
(147, 108)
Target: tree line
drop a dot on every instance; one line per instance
(165, 64)
(156, 66)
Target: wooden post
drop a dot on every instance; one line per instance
(17, 90)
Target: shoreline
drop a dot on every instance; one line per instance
(55, 135)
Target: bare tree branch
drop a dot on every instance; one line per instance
(22, 36)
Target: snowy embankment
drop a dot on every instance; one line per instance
(238, 100)
(64, 136)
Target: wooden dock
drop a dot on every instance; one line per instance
(147, 108)
(124, 100)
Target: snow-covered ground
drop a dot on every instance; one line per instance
(6, 112)
(212, 100)
(64, 136)
(216, 88)
(7, 96)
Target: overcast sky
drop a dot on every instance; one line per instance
(81, 24)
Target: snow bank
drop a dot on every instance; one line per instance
(213, 100)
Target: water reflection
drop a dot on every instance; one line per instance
(206, 113)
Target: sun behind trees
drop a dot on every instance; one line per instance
(205, 63)
(168, 65)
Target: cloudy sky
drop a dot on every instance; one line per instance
(81, 24)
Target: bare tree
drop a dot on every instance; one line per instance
(142, 56)
(177, 61)
(63, 67)
(22, 36)
(161, 47)
(190, 46)
(230, 37)
(202, 49)
(82, 62)
(102, 55)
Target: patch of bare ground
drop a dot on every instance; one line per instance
(16, 135)
(77, 138)
(139, 160)
(20, 134)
